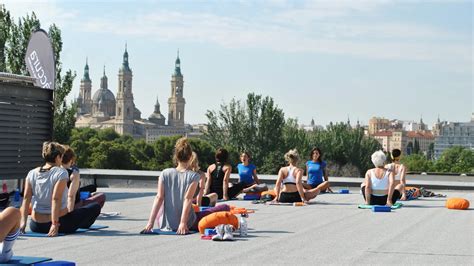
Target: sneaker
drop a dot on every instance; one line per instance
(228, 235)
(220, 233)
(4, 257)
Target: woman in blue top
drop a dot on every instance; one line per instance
(316, 169)
(247, 172)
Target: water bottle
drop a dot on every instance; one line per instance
(16, 199)
(4, 188)
(243, 224)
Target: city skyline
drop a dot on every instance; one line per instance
(359, 59)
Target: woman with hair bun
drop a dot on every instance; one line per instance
(378, 187)
(289, 185)
(176, 190)
(47, 186)
(399, 171)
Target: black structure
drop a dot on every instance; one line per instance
(26, 121)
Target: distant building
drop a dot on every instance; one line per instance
(377, 124)
(454, 134)
(423, 137)
(104, 110)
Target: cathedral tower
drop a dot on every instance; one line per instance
(84, 100)
(176, 102)
(125, 107)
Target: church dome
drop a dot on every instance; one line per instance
(104, 96)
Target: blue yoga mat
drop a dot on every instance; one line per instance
(25, 260)
(168, 233)
(78, 231)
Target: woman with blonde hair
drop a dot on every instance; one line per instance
(176, 190)
(378, 187)
(289, 185)
(201, 199)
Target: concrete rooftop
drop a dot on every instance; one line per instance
(332, 230)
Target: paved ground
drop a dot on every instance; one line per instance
(330, 231)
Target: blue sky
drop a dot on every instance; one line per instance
(325, 60)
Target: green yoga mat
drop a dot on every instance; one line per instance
(397, 205)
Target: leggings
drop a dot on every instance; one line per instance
(83, 217)
(232, 192)
(98, 197)
(381, 200)
(202, 214)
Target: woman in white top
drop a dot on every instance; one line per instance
(399, 171)
(289, 185)
(378, 187)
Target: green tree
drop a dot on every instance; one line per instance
(256, 127)
(430, 153)
(409, 148)
(5, 25)
(417, 163)
(15, 45)
(456, 159)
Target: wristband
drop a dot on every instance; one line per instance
(56, 223)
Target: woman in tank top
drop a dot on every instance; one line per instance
(176, 190)
(378, 187)
(218, 177)
(399, 171)
(289, 185)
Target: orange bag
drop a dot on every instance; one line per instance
(457, 203)
(216, 218)
(270, 192)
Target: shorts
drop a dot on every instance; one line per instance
(290, 197)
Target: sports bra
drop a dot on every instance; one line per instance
(398, 176)
(379, 184)
(289, 179)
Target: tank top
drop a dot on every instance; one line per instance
(398, 176)
(379, 184)
(217, 179)
(289, 179)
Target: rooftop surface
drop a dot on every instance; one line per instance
(332, 230)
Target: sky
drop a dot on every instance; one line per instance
(326, 60)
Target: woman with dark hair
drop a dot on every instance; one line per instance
(9, 231)
(318, 180)
(176, 190)
(399, 171)
(218, 175)
(247, 173)
(47, 186)
(74, 200)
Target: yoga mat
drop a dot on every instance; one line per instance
(78, 231)
(25, 260)
(168, 233)
(397, 205)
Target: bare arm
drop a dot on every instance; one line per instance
(403, 172)
(368, 188)
(307, 172)
(157, 203)
(188, 199)
(255, 177)
(25, 206)
(71, 196)
(278, 184)
(299, 184)
(391, 180)
(202, 181)
(208, 181)
(225, 186)
(56, 206)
